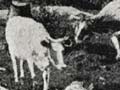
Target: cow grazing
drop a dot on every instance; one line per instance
(28, 40)
(25, 39)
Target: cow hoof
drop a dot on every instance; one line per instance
(79, 41)
(61, 66)
(21, 81)
(35, 83)
(117, 57)
(16, 80)
(22, 76)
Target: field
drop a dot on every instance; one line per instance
(93, 61)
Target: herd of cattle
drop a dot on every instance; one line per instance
(29, 40)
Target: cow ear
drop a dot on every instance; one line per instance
(45, 43)
(90, 22)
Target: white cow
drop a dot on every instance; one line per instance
(25, 39)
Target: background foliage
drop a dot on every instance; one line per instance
(85, 4)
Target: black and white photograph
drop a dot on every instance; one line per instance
(59, 44)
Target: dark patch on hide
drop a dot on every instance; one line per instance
(34, 53)
(45, 44)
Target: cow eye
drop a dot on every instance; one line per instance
(44, 43)
(68, 43)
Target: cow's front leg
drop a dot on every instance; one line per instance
(46, 77)
(116, 45)
(31, 67)
(21, 69)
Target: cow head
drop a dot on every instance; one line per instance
(81, 26)
(55, 51)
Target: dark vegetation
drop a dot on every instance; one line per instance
(93, 61)
(85, 4)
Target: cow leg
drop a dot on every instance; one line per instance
(21, 69)
(116, 45)
(78, 31)
(31, 67)
(14, 67)
(46, 77)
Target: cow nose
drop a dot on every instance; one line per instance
(61, 66)
(64, 68)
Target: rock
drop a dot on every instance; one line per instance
(61, 10)
(75, 85)
(2, 46)
(2, 69)
(3, 14)
(3, 88)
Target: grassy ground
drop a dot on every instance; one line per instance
(90, 62)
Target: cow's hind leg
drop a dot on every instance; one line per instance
(14, 67)
(21, 69)
(116, 45)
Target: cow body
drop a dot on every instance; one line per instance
(24, 37)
